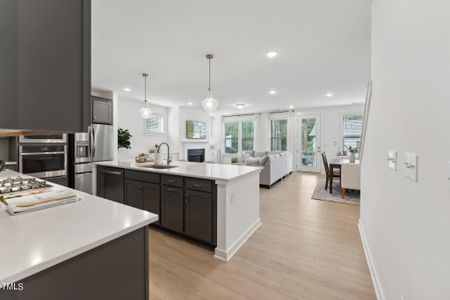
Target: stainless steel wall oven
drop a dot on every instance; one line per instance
(43, 161)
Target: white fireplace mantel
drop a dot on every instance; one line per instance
(194, 141)
(195, 144)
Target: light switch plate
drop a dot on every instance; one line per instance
(392, 160)
(411, 166)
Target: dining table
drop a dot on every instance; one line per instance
(336, 164)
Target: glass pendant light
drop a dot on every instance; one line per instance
(209, 104)
(145, 111)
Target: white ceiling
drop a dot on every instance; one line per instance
(323, 46)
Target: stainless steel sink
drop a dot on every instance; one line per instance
(159, 166)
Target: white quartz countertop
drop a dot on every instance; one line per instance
(212, 171)
(35, 241)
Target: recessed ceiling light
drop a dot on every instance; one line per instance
(272, 92)
(127, 89)
(291, 106)
(189, 103)
(329, 95)
(271, 54)
(240, 106)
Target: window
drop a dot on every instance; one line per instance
(278, 135)
(231, 137)
(352, 132)
(239, 136)
(248, 131)
(154, 124)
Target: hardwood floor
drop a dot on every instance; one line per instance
(305, 249)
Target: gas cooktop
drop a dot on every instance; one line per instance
(17, 184)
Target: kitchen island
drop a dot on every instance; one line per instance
(90, 249)
(214, 203)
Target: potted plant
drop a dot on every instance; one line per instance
(124, 138)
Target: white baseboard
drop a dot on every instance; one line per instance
(226, 255)
(373, 272)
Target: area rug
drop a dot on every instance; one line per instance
(351, 197)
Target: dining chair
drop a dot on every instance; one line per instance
(330, 173)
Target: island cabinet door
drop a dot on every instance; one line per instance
(172, 208)
(152, 199)
(198, 215)
(134, 193)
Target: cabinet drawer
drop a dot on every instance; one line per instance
(198, 184)
(142, 176)
(172, 180)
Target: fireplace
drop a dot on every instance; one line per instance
(196, 155)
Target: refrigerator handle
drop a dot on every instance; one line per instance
(93, 143)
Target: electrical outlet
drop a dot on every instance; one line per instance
(401, 297)
(411, 164)
(392, 160)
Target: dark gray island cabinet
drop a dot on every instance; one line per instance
(116, 270)
(185, 205)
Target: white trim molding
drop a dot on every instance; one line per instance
(226, 255)
(373, 271)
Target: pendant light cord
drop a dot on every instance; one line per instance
(209, 57)
(145, 89)
(209, 76)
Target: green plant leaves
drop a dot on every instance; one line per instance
(124, 138)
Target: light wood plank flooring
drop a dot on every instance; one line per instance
(305, 249)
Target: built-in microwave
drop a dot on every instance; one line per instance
(43, 161)
(56, 138)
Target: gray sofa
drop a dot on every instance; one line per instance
(276, 165)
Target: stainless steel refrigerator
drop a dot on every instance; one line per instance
(89, 147)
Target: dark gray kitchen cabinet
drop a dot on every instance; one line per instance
(143, 195)
(172, 208)
(45, 59)
(185, 205)
(110, 184)
(152, 199)
(102, 110)
(134, 195)
(198, 215)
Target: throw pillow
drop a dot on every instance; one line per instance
(264, 160)
(252, 161)
(259, 153)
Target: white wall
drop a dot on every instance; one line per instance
(405, 223)
(173, 129)
(128, 118)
